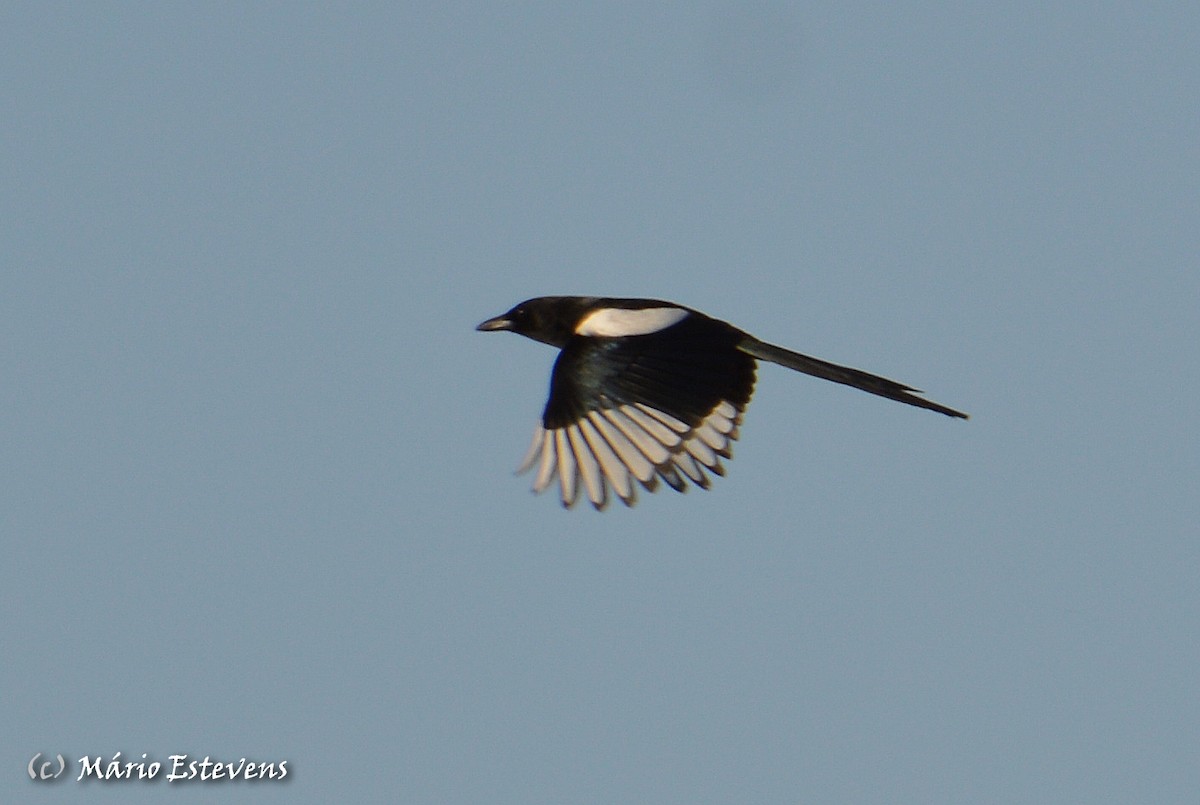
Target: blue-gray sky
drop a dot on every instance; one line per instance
(257, 495)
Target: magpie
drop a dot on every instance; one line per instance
(645, 390)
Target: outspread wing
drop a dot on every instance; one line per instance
(631, 411)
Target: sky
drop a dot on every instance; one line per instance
(256, 466)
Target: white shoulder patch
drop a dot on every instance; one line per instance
(616, 322)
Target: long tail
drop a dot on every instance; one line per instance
(842, 374)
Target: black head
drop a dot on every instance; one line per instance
(549, 319)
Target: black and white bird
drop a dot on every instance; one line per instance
(644, 390)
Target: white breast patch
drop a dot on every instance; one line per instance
(615, 322)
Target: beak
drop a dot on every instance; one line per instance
(498, 323)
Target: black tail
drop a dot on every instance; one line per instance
(842, 374)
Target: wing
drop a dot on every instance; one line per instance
(628, 411)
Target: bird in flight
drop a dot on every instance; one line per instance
(644, 390)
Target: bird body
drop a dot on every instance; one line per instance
(645, 390)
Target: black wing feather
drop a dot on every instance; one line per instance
(685, 370)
